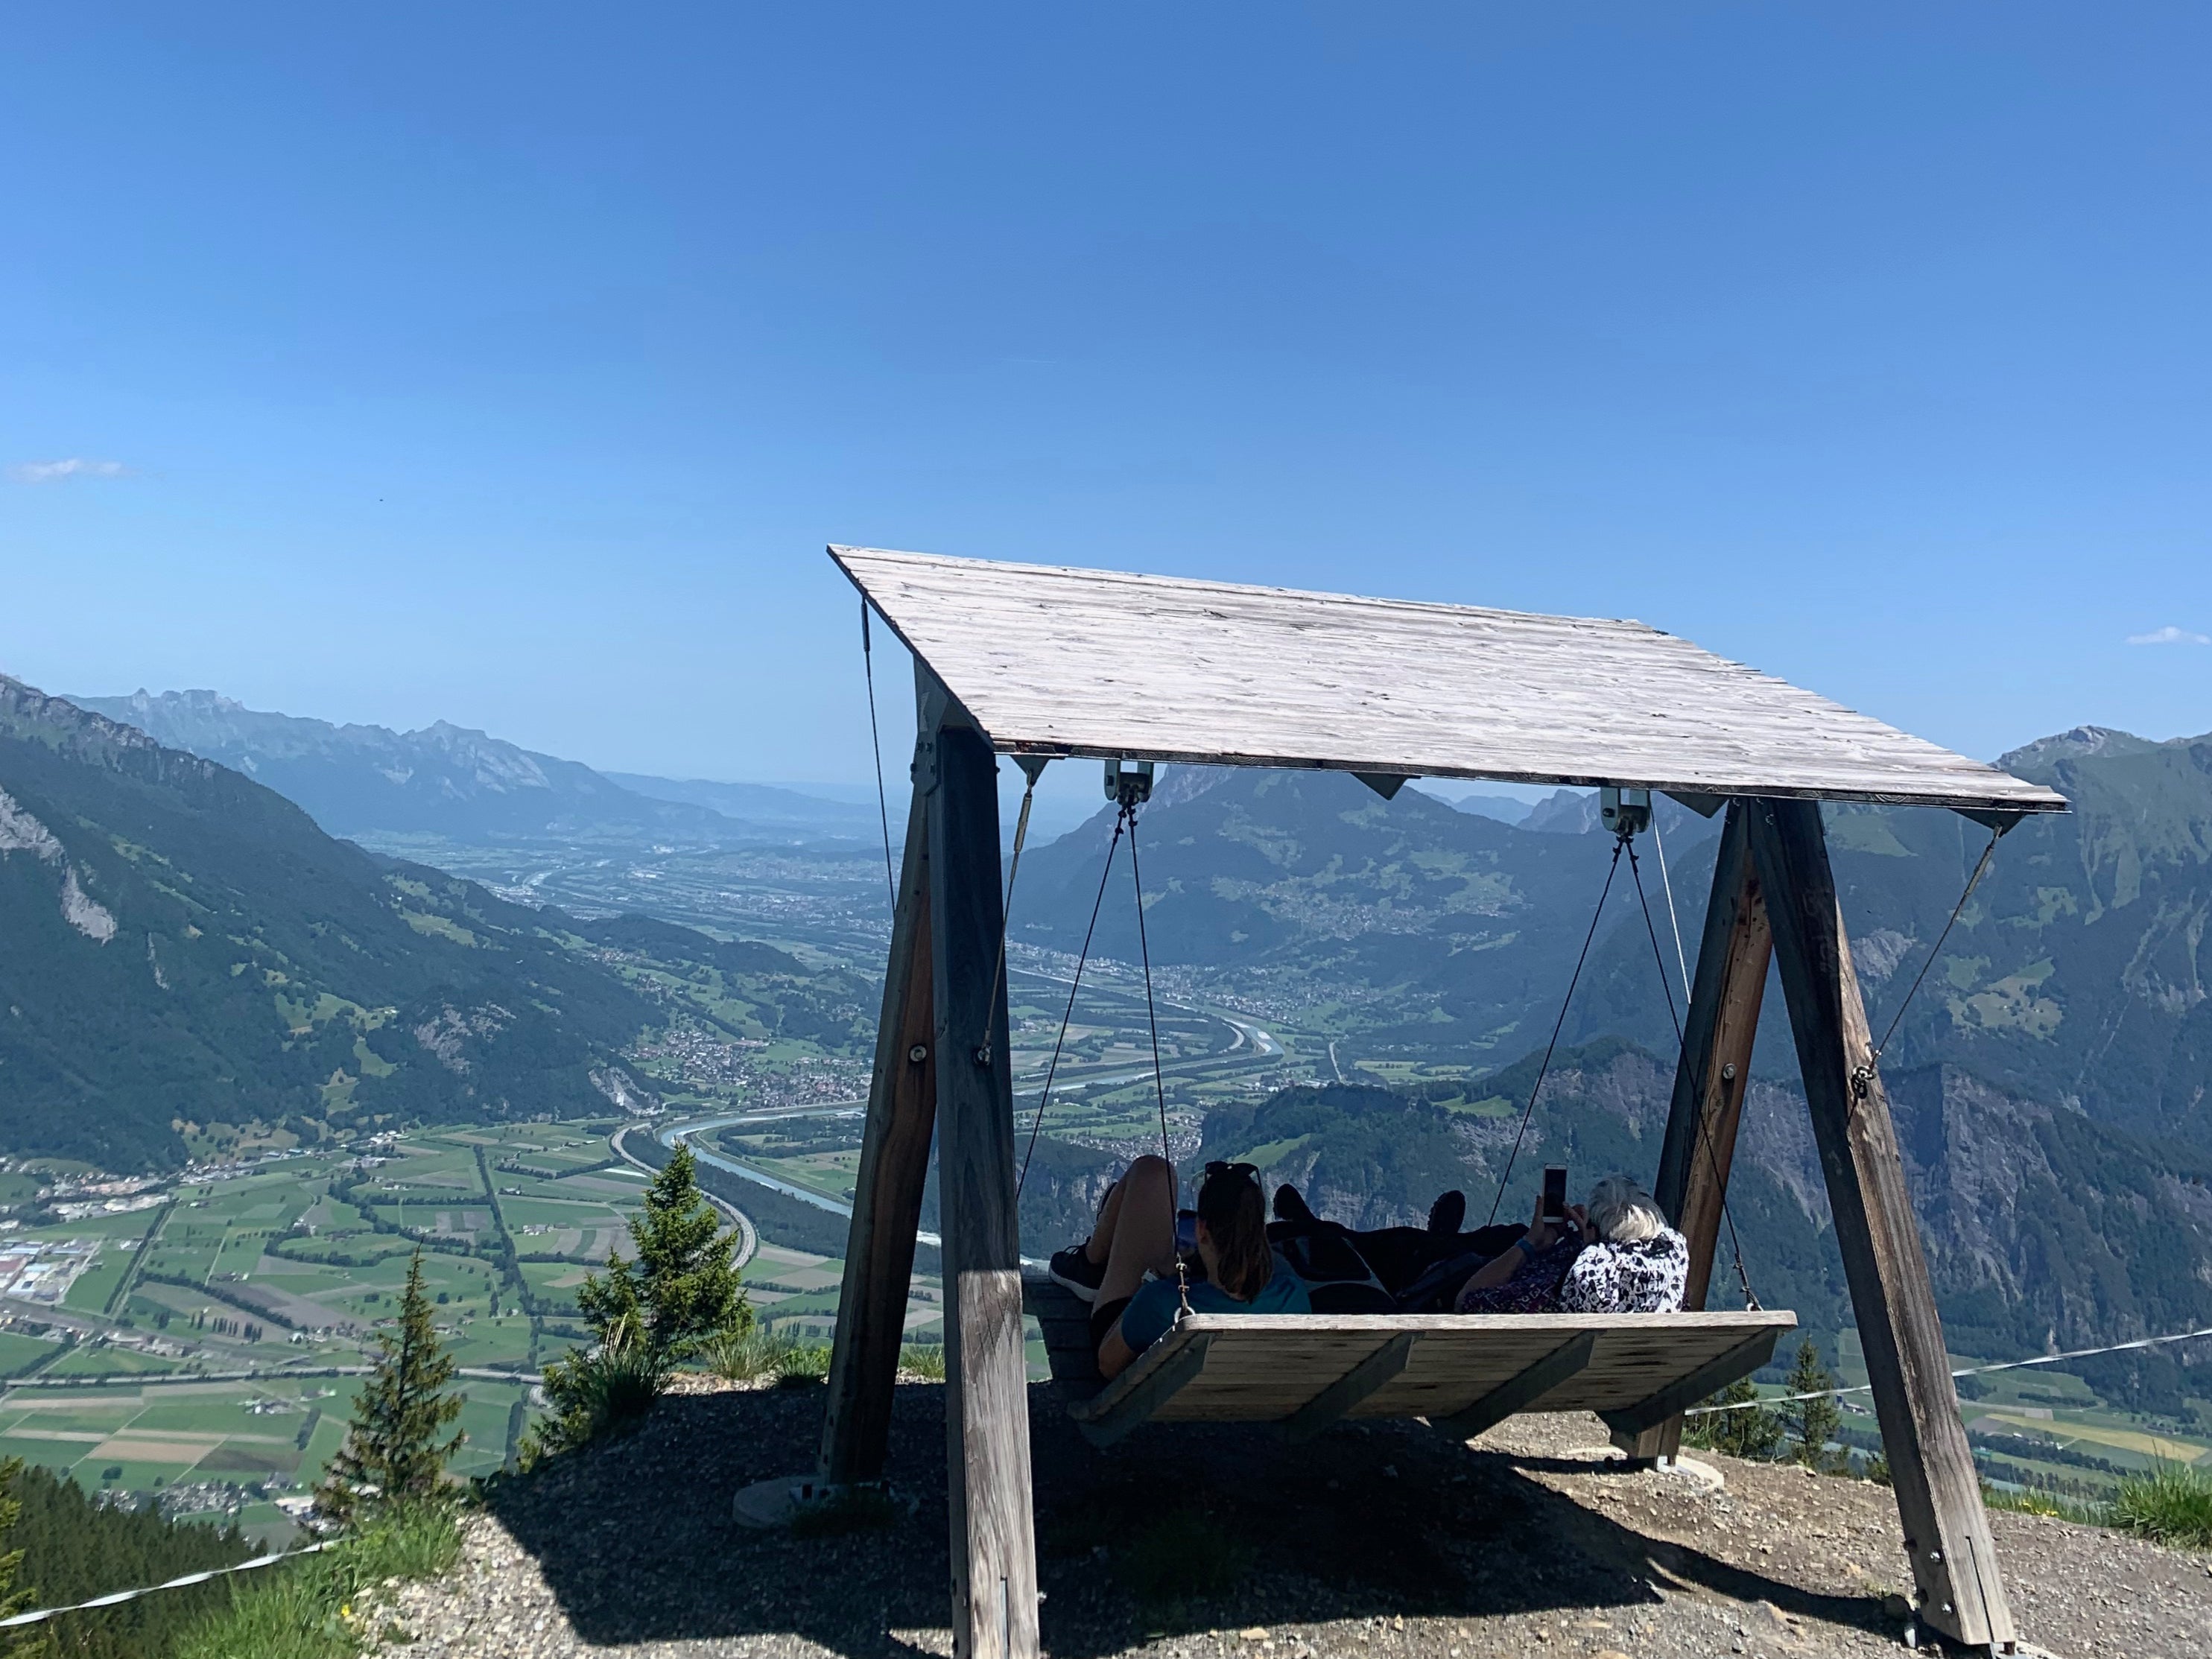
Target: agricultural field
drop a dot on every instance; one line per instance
(2040, 1426)
(290, 1265)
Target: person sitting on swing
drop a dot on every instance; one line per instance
(1616, 1254)
(1235, 1271)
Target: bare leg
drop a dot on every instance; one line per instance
(1100, 1244)
(1136, 1228)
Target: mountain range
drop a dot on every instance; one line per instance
(2076, 975)
(188, 950)
(2049, 1077)
(188, 954)
(451, 781)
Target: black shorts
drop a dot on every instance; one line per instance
(1103, 1318)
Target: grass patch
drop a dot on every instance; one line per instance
(2057, 1506)
(760, 1356)
(2172, 1504)
(924, 1360)
(313, 1608)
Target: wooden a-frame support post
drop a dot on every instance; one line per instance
(1710, 1077)
(944, 995)
(887, 1196)
(1774, 896)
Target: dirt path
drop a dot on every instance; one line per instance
(1369, 1544)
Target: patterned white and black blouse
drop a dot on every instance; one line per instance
(1647, 1277)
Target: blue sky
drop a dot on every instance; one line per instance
(512, 366)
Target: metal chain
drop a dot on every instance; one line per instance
(1565, 1003)
(1151, 1016)
(1862, 1075)
(1074, 985)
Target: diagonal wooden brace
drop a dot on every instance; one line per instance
(1153, 1390)
(1348, 1390)
(1715, 1374)
(1522, 1391)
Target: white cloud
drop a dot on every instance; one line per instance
(2169, 635)
(39, 472)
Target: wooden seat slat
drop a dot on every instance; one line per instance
(1268, 1368)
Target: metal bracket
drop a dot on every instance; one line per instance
(1625, 811)
(1129, 783)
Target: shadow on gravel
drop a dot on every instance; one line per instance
(1182, 1528)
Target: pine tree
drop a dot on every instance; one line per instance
(12, 1600)
(1813, 1423)
(681, 1288)
(1749, 1431)
(393, 1454)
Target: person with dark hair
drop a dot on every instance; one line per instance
(1235, 1271)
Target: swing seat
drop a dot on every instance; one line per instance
(1464, 1373)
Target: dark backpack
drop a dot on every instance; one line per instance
(1338, 1279)
(1437, 1286)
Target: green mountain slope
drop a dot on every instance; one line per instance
(1427, 930)
(185, 947)
(2042, 1228)
(2077, 975)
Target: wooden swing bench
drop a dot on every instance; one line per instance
(1036, 662)
(1463, 1373)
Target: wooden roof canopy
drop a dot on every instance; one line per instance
(1055, 660)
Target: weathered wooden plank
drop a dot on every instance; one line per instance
(1932, 1471)
(1086, 662)
(994, 1533)
(887, 1195)
(1658, 1328)
(1712, 1074)
(1520, 1391)
(1349, 1389)
(1256, 1373)
(1688, 1387)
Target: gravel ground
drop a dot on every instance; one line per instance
(1367, 1544)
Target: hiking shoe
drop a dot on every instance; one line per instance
(1290, 1205)
(1076, 1272)
(1447, 1212)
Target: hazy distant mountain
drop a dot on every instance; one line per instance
(1506, 809)
(1564, 812)
(186, 947)
(764, 804)
(444, 780)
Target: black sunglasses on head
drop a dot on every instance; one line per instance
(1249, 1171)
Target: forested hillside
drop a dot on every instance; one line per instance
(2049, 1080)
(185, 949)
(2076, 976)
(2042, 1228)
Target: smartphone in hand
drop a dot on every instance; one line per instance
(1555, 1193)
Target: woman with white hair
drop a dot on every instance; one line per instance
(1614, 1255)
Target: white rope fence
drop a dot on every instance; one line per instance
(121, 1596)
(1963, 1370)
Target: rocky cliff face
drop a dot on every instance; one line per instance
(2043, 1228)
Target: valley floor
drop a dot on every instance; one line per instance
(1369, 1544)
